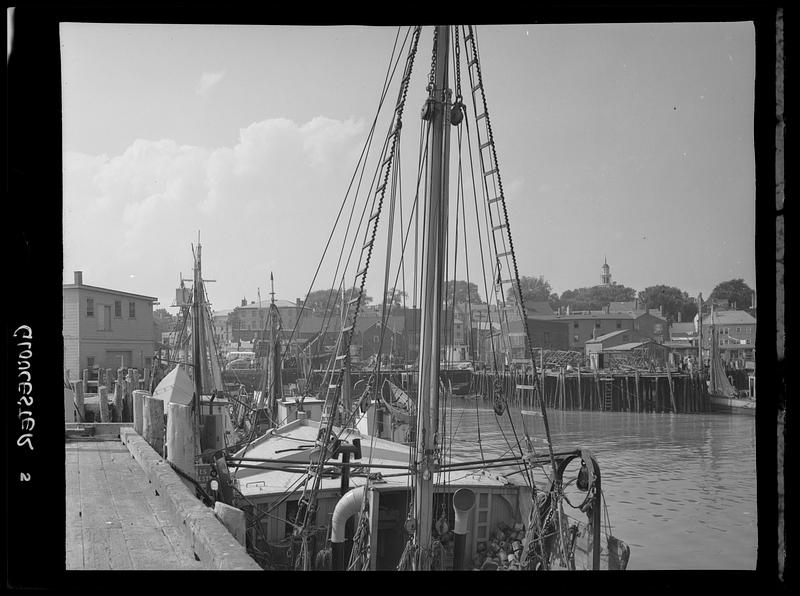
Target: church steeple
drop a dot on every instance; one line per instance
(606, 277)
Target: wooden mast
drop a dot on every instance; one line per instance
(196, 347)
(435, 243)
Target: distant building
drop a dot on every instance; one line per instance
(597, 346)
(105, 328)
(247, 322)
(606, 277)
(736, 334)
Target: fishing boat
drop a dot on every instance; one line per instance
(723, 396)
(348, 492)
(191, 376)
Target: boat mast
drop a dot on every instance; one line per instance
(437, 110)
(700, 333)
(196, 354)
(713, 359)
(274, 355)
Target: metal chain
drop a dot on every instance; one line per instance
(458, 66)
(432, 75)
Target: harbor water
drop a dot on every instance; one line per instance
(680, 489)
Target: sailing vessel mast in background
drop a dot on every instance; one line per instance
(437, 111)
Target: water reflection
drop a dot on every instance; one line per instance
(680, 488)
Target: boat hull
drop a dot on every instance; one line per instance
(730, 405)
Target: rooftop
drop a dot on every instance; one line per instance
(730, 317)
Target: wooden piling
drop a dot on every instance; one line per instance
(79, 401)
(138, 410)
(180, 437)
(153, 423)
(102, 392)
(118, 394)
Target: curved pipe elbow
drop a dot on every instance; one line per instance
(348, 506)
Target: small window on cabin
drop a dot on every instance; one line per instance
(597, 325)
(131, 310)
(575, 324)
(90, 307)
(619, 324)
(118, 309)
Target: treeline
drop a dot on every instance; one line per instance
(671, 300)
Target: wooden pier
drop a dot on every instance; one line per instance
(607, 391)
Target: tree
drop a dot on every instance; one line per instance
(671, 300)
(395, 297)
(596, 297)
(736, 292)
(329, 301)
(464, 292)
(534, 289)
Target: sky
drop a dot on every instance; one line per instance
(626, 142)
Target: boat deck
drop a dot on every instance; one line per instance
(114, 519)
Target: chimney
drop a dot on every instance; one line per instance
(568, 310)
(679, 316)
(78, 278)
(298, 302)
(636, 304)
(244, 302)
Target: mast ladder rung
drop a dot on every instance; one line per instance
(368, 243)
(348, 329)
(388, 159)
(341, 357)
(333, 386)
(479, 116)
(494, 200)
(380, 188)
(354, 300)
(486, 144)
(473, 61)
(476, 87)
(498, 226)
(508, 281)
(362, 272)
(468, 36)
(373, 216)
(504, 254)
(490, 172)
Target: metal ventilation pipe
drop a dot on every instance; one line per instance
(347, 507)
(463, 502)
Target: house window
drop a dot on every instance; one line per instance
(575, 325)
(90, 362)
(131, 310)
(576, 337)
(738, 330)
(90, 307)
(118, 309)
(619, 324)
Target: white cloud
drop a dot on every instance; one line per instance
(141, 209)
(209, 80)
